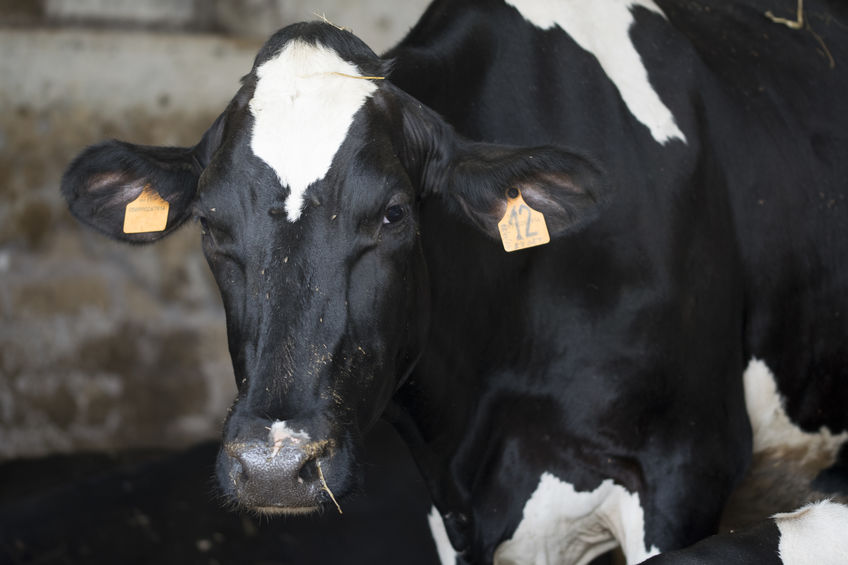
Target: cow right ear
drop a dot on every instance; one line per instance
(105, 179)
(567, 188)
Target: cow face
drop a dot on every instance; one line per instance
(306, 190)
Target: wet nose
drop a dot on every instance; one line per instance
(279, 473)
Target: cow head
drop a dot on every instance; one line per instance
(307, 189)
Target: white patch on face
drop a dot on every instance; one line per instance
(602, 27)
(771, 426)
(302, 113)
(447, 554)
(560, 525)
(281, 434)
(814, 534)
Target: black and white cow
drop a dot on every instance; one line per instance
(811, 535)
(689, 159)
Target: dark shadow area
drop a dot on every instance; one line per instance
(161, 507)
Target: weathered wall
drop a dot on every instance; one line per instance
(104, 345)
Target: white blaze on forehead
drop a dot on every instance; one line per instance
(602, 27)
(302, 112)
(280, 434)
(562, 525)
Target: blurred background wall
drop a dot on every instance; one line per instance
(103, 345)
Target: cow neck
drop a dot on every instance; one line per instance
(435, 409)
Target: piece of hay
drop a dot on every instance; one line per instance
(327, 488)
(797, 23)
(354, 76)
(324, 19)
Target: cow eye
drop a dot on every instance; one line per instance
(204, 225)
(394, 214)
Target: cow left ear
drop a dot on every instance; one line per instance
(567, 188)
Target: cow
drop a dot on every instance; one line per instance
(812, 534)
(563, 248)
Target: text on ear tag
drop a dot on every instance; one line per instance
(522, 226)
(147, 213)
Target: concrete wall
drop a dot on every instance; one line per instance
(104, 345)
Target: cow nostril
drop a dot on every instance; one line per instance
(308, 472)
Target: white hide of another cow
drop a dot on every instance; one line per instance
(814, 535)
(303, 107)
(602, 27)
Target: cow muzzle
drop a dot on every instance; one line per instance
(283, 473)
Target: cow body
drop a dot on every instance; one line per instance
(693, 228)
(560, 399)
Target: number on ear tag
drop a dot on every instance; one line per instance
(147, 213)
(522, 226)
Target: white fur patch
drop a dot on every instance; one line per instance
(447, 554)
(302, 113)
(817, 534)
(562, 526)
(281, 434)
(771, 426)
(602, 27)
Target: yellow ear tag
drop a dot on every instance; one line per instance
(522, 226)
(147, 213)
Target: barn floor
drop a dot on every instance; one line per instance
(146, 507)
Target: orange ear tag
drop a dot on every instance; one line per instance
(147, 213)
(522, 226)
